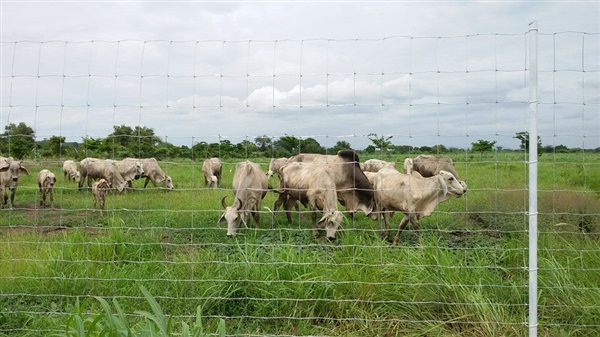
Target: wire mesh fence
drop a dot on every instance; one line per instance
(463, 97)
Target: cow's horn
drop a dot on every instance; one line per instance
(223, 202)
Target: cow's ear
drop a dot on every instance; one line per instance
(221, 218)
(23, 169)
(443, 185)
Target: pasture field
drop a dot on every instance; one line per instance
(468, 277)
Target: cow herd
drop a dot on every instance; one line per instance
(110, 174)
(318, 182)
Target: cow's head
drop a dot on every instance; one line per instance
(14, 167)
(213, 182)
(168, 182)
(331, 221)
(139, 169)
(234, 215)
(50, 180)
(120, 186)
(451, 185)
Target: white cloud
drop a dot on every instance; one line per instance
(421, 72)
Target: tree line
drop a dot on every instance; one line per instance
(20, 142)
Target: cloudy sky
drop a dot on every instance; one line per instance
(424, 73)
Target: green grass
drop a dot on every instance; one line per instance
(468, 277)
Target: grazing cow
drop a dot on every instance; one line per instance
(212, 169)
(155, 174)
(9, 179)
(275, 166)
(100, 189)
(70, 170)
(374, 165)
(129, 169)
(354, 190)
(313, 184)
(249, 187)
(413, 195)
(152, 172)
(428, 166)
(93, 168)
(46, 181)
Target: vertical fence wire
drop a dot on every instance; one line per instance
(182, 242)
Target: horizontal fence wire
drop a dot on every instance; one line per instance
(464, 272)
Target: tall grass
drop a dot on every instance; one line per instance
(467, 278)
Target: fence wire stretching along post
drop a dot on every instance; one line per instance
(533, 166)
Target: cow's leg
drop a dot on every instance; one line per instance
(289, 204)
(256, 216)
(417, 229)
(12, 197)
(315, 229)
(386, 221)
(401, 226)
(146, 182)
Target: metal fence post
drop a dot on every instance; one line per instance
(533, 178)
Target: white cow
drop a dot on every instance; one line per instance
(428, 166)
(313, 184)
(212, 169)
(93, 168)
(275, 166)
(100, 189)
(9, 179)
(249, 187)
(412, 194)
(152, 172)
(354, 190)
(46, 181)
(155, 174)
(70, 171)
(374, 165)
(129, 168)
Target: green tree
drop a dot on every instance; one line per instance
(310, 145)
(55, 145)
(483, 146)
(145, 142)
(382, 143)
(17, 140)
(121, 135)
(341, 145)
(290, 144)
(439, 149)
(263, 142)
(523, 136)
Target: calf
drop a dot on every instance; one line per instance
(100, 189)
(46, 181)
